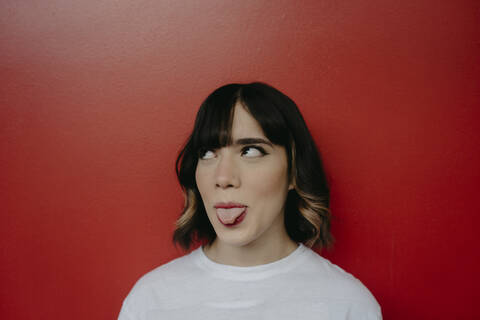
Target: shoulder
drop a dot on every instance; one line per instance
(175, 270)
(333, 283)
(156, 287)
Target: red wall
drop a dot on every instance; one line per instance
(97, 97)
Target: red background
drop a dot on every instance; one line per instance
(97, 98)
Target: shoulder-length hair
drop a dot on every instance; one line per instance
(307, 214)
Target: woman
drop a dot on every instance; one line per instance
(256, 195)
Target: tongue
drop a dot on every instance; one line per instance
(228, 216)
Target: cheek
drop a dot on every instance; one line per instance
(271, 183)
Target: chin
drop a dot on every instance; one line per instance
(234, 240)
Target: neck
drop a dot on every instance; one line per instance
(252, 254)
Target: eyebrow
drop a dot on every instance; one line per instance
(245, 141)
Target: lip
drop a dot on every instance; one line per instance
(228, 205)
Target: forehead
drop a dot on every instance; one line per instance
(244, 125)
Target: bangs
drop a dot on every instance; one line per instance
(213, 126)
(265, 104)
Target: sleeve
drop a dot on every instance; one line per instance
(371, 311)
(126, 314)
(139, 300)
(375, 316)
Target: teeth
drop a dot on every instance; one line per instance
(228, 216)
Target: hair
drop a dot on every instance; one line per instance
(307, 214)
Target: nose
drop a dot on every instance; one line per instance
(226, 173)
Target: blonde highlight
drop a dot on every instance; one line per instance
(313, 208)
(189, 209)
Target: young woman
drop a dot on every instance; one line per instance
(257, 197)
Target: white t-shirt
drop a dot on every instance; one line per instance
(302, 285)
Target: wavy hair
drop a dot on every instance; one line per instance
(307, 214)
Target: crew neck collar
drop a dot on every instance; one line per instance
(252, 272)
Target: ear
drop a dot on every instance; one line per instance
(290, 187)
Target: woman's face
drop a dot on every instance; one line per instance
(244, 185)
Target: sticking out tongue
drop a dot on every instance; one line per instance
(228, 216)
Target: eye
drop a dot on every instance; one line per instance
(207, 154)
(253, 152)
